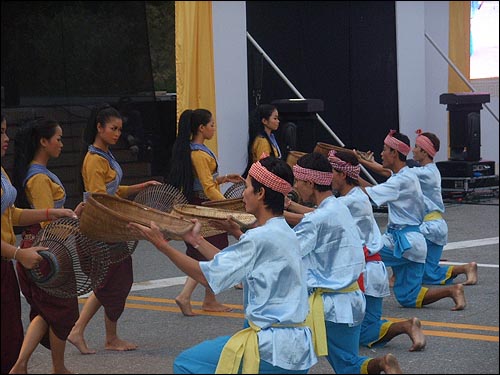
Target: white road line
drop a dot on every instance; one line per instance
(471, 243)
(479, 264)
(163, 283)
(172, 281)
(160, 283)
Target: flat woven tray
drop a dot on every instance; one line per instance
(105, 218)
(235, 204)
(205, 214)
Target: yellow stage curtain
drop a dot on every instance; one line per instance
(459, 45)
(194, 59)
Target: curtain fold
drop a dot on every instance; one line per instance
(194, 59)
(459, 45)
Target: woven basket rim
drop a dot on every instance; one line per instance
(221, 201)
(333, 147)
(295, 152)
(95, 198)
(235, 204)
(213, 213)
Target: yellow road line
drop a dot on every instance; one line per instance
(457, 335)
(175, 309)
(450, 325)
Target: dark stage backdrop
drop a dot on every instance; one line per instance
(343, 53)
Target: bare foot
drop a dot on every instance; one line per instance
(120, 345)
(238, 286)
(458, 296)
(471, 273)
(78, 341)
(417, 335)
(19, 369)
(215, 306)
(62, 370)
(184, 306)
(390, 365)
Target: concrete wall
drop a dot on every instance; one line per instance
(230, 55)
(423, 77)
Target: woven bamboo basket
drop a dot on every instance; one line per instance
(161, 197)
(293, 156)
(73, 265)
(235, 204)
(105, 218)
(324, 148)
(206, 214)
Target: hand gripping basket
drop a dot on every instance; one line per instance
(73, 265)
(105, 218)
(205, 214)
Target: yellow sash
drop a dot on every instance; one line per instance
(434, 215)
(316, 317)
(244, 344)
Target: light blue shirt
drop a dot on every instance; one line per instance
(430, 181)
(403, 195)
(376, 278)
(406, 207)
(333, 255)
(362, 212)
(267, 259)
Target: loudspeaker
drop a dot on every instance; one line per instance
(465, 123)
(465, 136)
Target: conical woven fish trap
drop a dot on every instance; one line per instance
(295, 196)
(73, 265)
(235, 204)
(105, 218)
(161, 197)
(118, 251)
(205, 214)
(235, 190)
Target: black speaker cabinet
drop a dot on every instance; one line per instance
(466, 169)
(465, 124)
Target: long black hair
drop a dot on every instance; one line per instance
(100, 115)
(181, 169)
(26, 143)
(255, 129)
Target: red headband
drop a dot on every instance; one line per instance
(318, 177)
(341, 165)
(425, 143)
(269, 179)
(396, 144)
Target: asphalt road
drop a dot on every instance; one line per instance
(461, 342)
